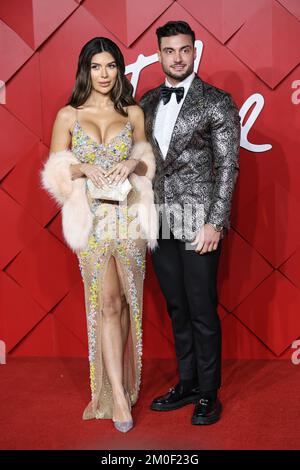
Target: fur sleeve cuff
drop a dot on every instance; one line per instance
(56, 175)
(142, 151)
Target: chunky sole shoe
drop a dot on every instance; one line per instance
(174, 406)
(203, 420)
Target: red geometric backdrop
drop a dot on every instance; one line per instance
(252, 50)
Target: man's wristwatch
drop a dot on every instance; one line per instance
(218, 228)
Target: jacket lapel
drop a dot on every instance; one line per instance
(188, 119)
(150, 121)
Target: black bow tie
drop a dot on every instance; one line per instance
(166, 92)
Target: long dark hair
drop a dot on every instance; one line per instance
(122, 92)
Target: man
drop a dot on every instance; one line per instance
(194, 129)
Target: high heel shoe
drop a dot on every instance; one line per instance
(124, 426)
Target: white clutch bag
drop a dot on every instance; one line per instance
(116, 192)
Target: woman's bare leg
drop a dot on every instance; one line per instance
(113, 337)
(124, 312)
(124, 322)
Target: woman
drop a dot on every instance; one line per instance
(105, 130)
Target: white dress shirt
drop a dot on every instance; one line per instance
(167, 115)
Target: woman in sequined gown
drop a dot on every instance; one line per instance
(101, 123)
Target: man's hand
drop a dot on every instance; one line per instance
(206, 240)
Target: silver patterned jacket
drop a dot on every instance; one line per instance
(201, 165)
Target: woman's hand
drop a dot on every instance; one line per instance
(121, 171)
(95, 173)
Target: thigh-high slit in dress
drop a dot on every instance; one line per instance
(129, 254)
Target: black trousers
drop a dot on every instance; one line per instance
(189, 284)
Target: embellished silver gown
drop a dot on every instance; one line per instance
(129, 254)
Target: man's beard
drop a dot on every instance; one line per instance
(179, 78)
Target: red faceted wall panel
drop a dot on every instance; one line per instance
(252, 50)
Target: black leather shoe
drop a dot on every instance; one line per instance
(175, 398)
(207, 411)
